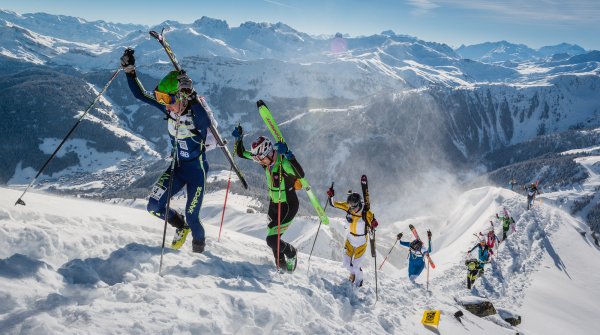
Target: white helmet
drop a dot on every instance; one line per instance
(261, 148)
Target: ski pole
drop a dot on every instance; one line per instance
(225, 204)
(386, 257)
(427, 276)
(374, 254)
(315, 240)
(174, 158)
(279, 213)
(20, 200)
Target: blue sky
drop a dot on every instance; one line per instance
(532, 22)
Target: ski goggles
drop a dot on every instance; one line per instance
(265, 158)
(164, 98)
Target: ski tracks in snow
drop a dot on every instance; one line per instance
(509, 274)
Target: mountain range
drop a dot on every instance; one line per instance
(406, 111)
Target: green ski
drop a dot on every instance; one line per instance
(266, 115)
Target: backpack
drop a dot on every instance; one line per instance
(472, 264)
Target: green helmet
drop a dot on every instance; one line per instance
(169, 83)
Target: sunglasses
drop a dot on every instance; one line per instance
(165, 98)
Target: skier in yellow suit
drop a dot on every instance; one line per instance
(356, 240)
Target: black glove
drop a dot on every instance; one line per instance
(185, 85)
(330, 192)
(429, 234)
(128, 60)
(399, 236)
(238, 132)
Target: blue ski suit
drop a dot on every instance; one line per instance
(416, 259)
(484, 252)
(191, 165)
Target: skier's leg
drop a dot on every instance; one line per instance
(194, 173)
(287, 215)
(359, 254)
(285, 249)
(157, 204)
(347, 256)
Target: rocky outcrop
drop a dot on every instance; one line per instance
(478, 306)
(509, 317)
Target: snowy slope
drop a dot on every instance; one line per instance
(72, 266)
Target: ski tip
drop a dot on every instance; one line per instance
(260, 103)
(411, 226)
(154, 34)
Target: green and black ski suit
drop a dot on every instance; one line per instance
(474, 267)
(506, 220)
(285, 193)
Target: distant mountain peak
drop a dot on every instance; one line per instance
(206, 21)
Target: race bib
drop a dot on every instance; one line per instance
(157, 192)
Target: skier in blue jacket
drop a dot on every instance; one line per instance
(484, 253)
(416, 255)
(188, 119)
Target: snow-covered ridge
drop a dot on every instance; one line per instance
(55, 278)
(88, 45)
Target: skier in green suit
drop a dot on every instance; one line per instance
(282, 172)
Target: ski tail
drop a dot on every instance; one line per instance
(431, 263)
(414, 231)
(364, 184)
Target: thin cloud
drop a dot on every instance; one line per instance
(538, 10)
(422, 6)
(280, 4)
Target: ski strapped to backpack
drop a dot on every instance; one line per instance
(416, 235)
(267, 117)
(161, 39)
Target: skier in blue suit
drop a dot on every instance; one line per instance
(416, 255)
(484, 254)
(188, 120)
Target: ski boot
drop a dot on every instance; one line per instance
(198, 246)
(351, 278)
(180, 236)
(358, 284)
(291, 263)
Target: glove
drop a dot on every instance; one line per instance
(282, 149)
(429, 234)
(128, 61)
(374, 224)
(185, 84)
(330, 192)
(238, 132)
(399, 237)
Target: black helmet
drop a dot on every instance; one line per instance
(416, 245)
(354, 200)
